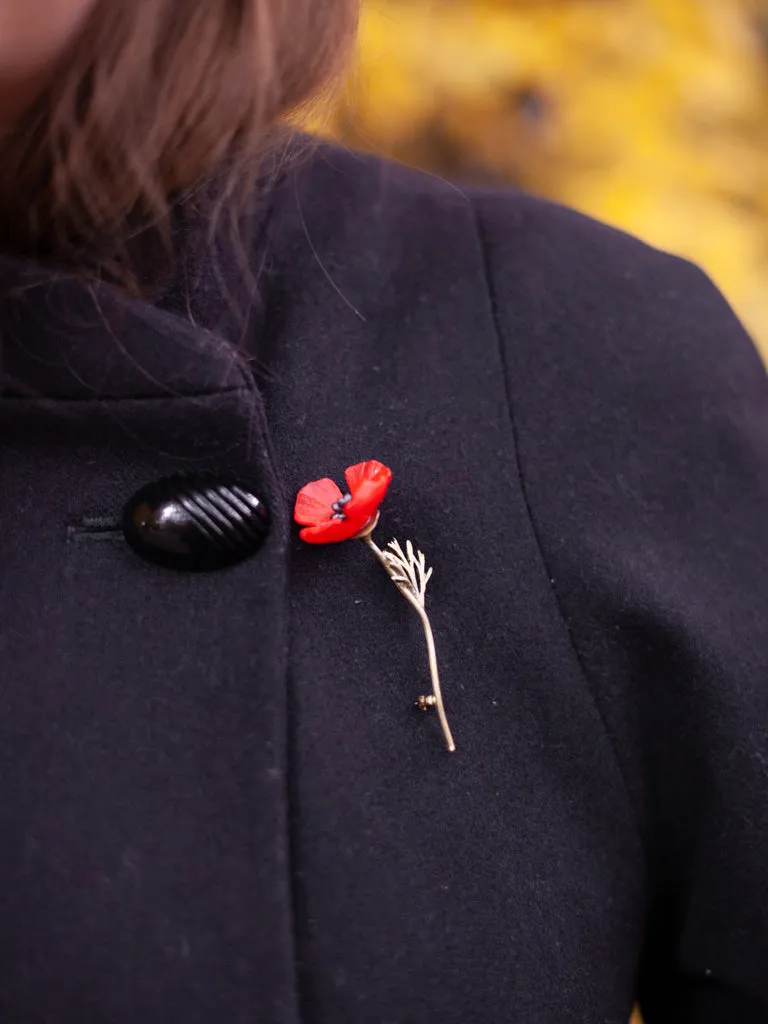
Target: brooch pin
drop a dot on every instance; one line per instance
(329, 516)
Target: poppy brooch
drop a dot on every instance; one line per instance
(329, 516)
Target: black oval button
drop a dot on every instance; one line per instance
(195, 522)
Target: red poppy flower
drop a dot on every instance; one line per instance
(330, 516)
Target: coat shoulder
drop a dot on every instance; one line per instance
(556, 278)
(606, 307)
(534, 236)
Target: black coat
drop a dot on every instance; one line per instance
(218, 804)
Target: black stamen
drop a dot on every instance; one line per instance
(338, 507)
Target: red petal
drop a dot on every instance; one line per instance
(333, 531)
(363, 471)
(368, 483)
(313, 502)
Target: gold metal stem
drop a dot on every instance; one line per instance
(422, 613)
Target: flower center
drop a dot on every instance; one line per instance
(338, 506)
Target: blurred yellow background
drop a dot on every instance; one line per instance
(649, 114)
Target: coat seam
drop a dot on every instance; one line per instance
(491, 293)
(296, 894)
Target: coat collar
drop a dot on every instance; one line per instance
(64, 337)
(68, 339)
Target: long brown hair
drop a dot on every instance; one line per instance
(153, 98)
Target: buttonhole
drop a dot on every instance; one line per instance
(94, 528)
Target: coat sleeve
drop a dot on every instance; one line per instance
(640, 409)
